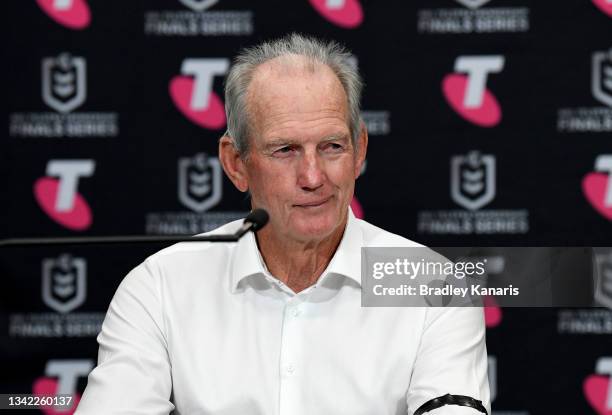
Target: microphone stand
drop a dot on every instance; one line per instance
(256, 220)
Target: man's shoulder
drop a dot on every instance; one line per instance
(184, 266)
(377, 237)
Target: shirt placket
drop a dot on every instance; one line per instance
(291, 363)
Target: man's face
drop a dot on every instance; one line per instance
(301, 165)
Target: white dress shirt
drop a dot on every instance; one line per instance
(204, 328)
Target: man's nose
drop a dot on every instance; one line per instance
(311, 174)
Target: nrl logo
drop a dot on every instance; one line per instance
(603, 279)
(199, 5)
(473, 180)
(63, 82)
(199, 185)
(473, 4)
(64, 282)
(601, 81)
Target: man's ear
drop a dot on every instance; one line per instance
(233, 164)
(362, 148)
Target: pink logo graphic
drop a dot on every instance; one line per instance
(63, 376)
(192, 92)
(604, 5)
(73, 14)
(357, 208)
(493, 313)
(59, 199)
(468, 95)
(596, 389)
(49, 386)
(344, 13)
(597, 187)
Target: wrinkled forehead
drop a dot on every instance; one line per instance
(293, 85)
(289, 69)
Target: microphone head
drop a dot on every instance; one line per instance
(258, 218)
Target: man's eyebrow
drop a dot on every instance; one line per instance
(334, 137)
(279, 142)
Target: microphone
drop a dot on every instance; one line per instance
(254, 221)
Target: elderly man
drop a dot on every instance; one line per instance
(273, 324)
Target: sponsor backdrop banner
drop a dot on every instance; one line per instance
(490, 125)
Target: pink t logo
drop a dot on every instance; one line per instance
(192, 92)
(59, 198)
(468, 95)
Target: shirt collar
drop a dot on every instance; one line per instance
(347, 258)
(247, 260)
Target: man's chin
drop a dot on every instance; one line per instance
(314, 229)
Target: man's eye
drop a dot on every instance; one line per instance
(333, 147)
(284, 151)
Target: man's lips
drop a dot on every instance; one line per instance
(313, 203)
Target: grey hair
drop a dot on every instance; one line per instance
(332, 54)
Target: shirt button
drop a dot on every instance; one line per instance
(296, 312)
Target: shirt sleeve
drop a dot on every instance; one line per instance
(133, 375)
(452, 358)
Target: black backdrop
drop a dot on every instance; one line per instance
(98, 86)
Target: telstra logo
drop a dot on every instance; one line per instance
(73, 14)
(466, 89)
(344, 13)
(61, 378)
(604, 5)
(58, 197)
(598, 388)
(597, 186)
(192, 91)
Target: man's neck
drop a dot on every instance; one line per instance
(298, 264)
